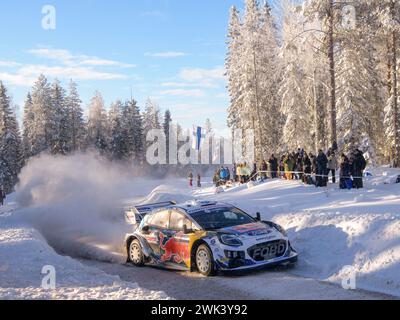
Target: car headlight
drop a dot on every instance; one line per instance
(230, 240)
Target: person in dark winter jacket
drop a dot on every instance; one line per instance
(190, 177)
(307, 169)
(358, 167)
(273, 166)
(299, 167)
(264, 168)
(2, 195)
(198, 181)
(253, 174)
(322, 168)
(345, 172)
(332, 164)
(234, 175)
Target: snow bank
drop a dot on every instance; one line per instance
(23, 254)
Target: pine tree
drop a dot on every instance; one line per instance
(59, 120)
(116, 142)
(234, 68)
(151, 119)
(359, 99)
(10, 143)
(296, 131)
(43, 125)
(166, 127)
(387, 13)
(28, 127)
(133, 131)
(76, 121)
(97, 124)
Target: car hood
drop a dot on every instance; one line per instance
(249, 230)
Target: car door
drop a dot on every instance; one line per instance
(178, 246)
(158, 232)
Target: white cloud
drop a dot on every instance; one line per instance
(195, 93)
(167, 54)
(186, 85)
(67, 58)
(202, 75)
(9, 64)
(77, 67)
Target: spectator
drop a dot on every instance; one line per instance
(359, 164)
(273, 165)
(2, 195)
(322, 167)
(190, 177)
(345, 171)
(332, 165)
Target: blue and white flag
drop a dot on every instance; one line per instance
(197, 138)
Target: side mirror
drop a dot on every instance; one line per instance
(258, 217)
(146, 229)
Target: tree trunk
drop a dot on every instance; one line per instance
(395, 101)
(331, 56)
(395, 89)
(260, 132)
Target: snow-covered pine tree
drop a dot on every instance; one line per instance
(327, 14)
(253, 72)
(43, 125)
(59, 121)
(359, 87)
(270, 69)
(116, 143)
(296, 132)
(97, 124)
(132, 124)
(76, 120)
(151, 119)
(28, 127)
(234, 68)
(166, 126)
(10, 143)
(387, 13)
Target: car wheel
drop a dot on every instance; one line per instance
(205, 261)
(136, 254)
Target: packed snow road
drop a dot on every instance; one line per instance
(261, 285)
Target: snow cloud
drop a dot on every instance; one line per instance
(76, 203)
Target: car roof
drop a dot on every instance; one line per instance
(197, 205)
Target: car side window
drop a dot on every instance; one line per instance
(161, 220)
(178, 220)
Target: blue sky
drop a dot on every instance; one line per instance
(170, 50)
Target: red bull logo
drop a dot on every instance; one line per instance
(173, 249)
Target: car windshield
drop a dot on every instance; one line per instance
(219, 218)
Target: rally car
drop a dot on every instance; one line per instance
(204, 236)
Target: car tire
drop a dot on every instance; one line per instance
(205, 261)
(135, 253)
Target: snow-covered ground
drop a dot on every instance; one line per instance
(55, 215)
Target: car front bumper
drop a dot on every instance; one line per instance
(290, 257)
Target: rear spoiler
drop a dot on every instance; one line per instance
(137, 213)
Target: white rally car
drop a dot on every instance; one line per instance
(205, 236)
